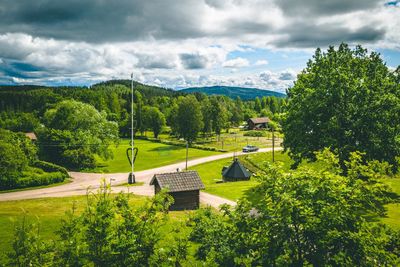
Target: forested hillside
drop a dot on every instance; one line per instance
(233, 92)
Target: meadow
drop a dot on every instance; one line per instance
(151, 155)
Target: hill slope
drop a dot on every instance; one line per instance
(233, 92)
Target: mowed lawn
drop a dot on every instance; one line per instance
(151, 155)
(48, 212)
(211, 174)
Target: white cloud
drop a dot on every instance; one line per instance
(238, 62)
(261, 62)
(162, 43)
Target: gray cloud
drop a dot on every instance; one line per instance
(101, 21)
(309, 35)
(193, 61)
(287, 75)
(155, 62)
(318, 8)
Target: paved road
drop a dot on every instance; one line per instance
(82, 182)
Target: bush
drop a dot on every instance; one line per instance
(255, 133)
(50, 167)
(181, 144)
(37, 179)
(36, 176)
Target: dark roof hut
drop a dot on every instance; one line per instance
(235, 172)
(258, 123)
(184, 187)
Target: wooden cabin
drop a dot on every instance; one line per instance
(184, 187)
(235, 172)
(258, 123)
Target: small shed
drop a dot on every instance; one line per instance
(184, 187)
(235, 172)
(258, 123)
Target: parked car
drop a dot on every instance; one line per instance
(249, 148)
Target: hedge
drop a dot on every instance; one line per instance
(50, 167)
(182, 144)
(35, 179)
(43, 173)
(255, 133)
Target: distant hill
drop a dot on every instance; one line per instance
(233, 92)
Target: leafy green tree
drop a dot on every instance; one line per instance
(172, 118)
(207, 115)
(74, 133)
(18, 122)
(12, 162)
(139, 112)
(189, 118)
(219, 115)
(257, 105)
(345, 99)
(308, 216)
(155, 120)
(28, 248)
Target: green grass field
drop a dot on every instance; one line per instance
(151, 155)
(210, 174)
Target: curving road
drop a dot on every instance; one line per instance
(82, 182)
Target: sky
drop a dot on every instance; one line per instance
(185, 43)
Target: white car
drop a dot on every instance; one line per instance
(249, 148)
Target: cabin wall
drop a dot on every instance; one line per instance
(187, 200)
(157, 188)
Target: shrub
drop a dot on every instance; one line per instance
(37, 179)
(50, 167)
(255, 133)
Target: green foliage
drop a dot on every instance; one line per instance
(49, 167)
(28, 248)
(74, 133)
(36, 177)
(255, 133)
(18, 122)
(303, 217)
(189, 118)
(345, 99)
(12, 163)
(19, 167)
(154, 120)
(108, 233)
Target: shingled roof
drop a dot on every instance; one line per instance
(236, 171)
(260, 120)
(178, 181)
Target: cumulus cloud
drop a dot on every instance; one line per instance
(179, 43)
(238, 62)
(261, 62)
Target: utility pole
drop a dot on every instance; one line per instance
(187, 153)
(132, 176)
